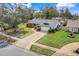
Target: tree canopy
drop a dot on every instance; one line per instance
(15, 13)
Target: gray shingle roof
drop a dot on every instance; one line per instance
(52, 23)
(73, 23)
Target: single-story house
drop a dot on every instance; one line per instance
(73, 26)
(45, 24)
(57, 18)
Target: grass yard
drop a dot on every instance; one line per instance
(42, 50)
(22, 31)
(58, 39)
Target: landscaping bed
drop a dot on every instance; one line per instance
(58, 39)
(42, 50)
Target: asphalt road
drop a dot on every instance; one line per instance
(12, 50)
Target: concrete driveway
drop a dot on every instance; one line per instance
(28, 41)
(12, 50)
(68, 50)
(17, 49)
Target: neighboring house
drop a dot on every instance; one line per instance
(73, 26)
(45, 24)
(57, 18)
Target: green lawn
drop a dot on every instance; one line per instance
(24, 30)
(58, 39)
(42, 50)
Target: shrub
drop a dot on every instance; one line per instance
(77, 51)
(71, 35)
(64, 22)
(6, 26)
(29, 25)
(51, 30)
(37, 28)
(22, 28)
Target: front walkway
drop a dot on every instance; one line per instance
(68, 50)
(28, 41)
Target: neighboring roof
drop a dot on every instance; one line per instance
(73, 23)
(52, 23)
(16, 51)
(57, 18)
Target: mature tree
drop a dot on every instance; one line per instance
(53, 12)
(14, 13)
(49, 12)
(62, 13)
(36, 15)
(75, 16)
(66, 13)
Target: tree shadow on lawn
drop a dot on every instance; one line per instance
(16, 33)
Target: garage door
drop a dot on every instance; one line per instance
(44, 29)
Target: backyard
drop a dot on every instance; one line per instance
(58, 39)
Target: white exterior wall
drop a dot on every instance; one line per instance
(45, 29)
(73, 29)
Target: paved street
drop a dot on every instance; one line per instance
(12, 50)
